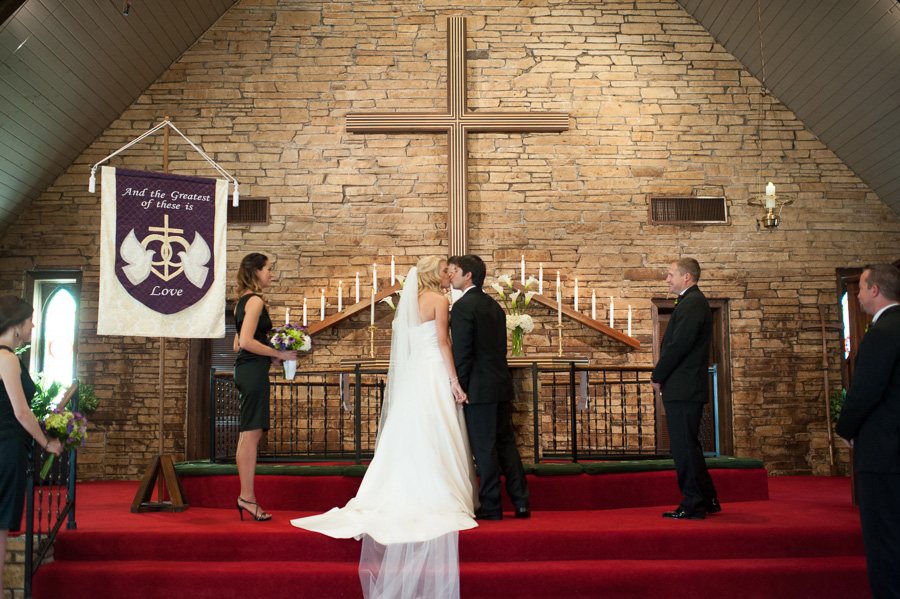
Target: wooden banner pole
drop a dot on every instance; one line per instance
(161, 464)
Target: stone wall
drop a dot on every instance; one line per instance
(13, 584)
(656, 105)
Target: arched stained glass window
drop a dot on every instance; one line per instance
(56, 340)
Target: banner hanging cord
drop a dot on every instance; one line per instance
(223, 172)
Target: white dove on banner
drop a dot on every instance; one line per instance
(139, 259)
(193, 261)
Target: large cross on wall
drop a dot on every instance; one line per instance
(457, 122)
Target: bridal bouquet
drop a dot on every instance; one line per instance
(516, 302)
(69, 427)
(290, 337)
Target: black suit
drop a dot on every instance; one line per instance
(871, 417)
(683, 372)
(478, 329)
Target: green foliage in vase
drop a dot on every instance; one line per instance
(836, 401)
(87, 399)
(46, 395)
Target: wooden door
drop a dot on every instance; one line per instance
(717, 420)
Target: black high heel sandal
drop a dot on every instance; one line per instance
(259, 516)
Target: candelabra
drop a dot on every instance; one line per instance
(371, 340)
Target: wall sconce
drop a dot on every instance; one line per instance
(770, 201)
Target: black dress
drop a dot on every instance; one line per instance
(13, 454)
(251, 372)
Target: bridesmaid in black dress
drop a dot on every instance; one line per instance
(17, 422)
(251, 372)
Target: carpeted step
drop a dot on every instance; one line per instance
(611, 534)
(803, 542)
(819, 578)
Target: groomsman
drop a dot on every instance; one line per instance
(681, 375)
(870, 424)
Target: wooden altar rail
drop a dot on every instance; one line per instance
(581, 318)
(364, 305)
(360, 306)
(333, 414)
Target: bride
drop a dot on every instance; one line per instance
(418, 491)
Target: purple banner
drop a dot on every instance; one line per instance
(165, 236)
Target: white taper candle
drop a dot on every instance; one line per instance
(629, 321)
(541, 278)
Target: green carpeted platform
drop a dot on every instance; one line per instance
(204, 468)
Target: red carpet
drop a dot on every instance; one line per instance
(804, 541)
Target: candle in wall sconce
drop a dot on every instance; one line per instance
(523, 269)
(393, 272)
(287, 316)
(594, 304)
(770, 195)
(357, 287)
(322, 309)
(611, 310)
(576, 295)
(304, 311)
(372, 309)
(340, 296)
(541, 278)
(629, 321)
(375, 278)
(557, 280)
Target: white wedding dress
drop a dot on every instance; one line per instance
(418, 491)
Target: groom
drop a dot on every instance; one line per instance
(478, 330)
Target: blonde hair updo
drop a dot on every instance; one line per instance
(429, 274)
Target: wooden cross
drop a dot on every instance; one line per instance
(457, 122)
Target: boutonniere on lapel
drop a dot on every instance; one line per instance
(867, 328)
(677, 299)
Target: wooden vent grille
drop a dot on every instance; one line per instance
(688, 210)
(249, 211)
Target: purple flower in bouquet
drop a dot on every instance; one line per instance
(290, 337)
(69, 427)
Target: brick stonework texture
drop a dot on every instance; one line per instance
(656, 106)
(14, 569)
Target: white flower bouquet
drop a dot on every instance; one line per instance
(516, 302)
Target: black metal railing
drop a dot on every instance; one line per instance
(50, 502)
(322, 415)
(578, 412)
(591, 412)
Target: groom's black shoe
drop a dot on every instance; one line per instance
(680, 514)
(523, 512)
(713, 507)
(485, 516)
